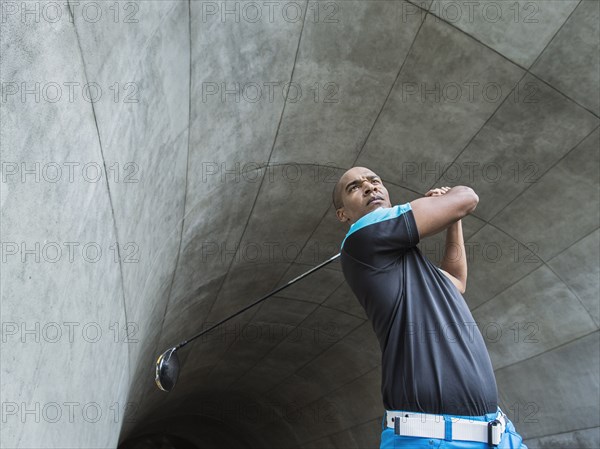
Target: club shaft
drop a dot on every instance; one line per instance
(268, 295)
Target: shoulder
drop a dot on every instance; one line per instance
(381, 215)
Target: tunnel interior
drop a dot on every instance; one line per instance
(218, 131)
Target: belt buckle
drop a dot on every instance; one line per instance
(494, 432)
(396, 420)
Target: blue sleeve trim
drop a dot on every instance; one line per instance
(376, 216)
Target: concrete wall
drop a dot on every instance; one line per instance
(110, 102)
(205, 182)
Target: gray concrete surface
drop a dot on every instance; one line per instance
(159, 174)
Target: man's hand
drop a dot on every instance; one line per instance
(442, 207)
(438, 192)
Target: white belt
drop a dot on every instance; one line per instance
(449, 428)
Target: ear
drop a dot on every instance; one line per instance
(341, 215)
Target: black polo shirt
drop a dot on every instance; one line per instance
(434, 359)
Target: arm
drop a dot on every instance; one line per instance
(454, 263)
(437, 212)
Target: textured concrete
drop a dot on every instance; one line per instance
(400, 147)
(518, 30)
(539, 410)
(219, 136)
(575, 46)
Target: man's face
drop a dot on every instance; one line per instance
(362, 191)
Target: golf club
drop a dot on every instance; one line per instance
(167, 364)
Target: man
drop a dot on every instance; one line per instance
(438, 384)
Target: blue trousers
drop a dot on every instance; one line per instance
(510, 438)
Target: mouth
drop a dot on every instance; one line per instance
(374, 200)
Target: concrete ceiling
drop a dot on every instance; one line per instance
(231, 196)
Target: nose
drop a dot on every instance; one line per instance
(367, 187)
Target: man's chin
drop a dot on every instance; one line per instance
(376, 205)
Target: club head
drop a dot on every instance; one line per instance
(167, 370)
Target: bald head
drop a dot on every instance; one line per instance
(337, 195)
(339, 187)
(349, 175)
